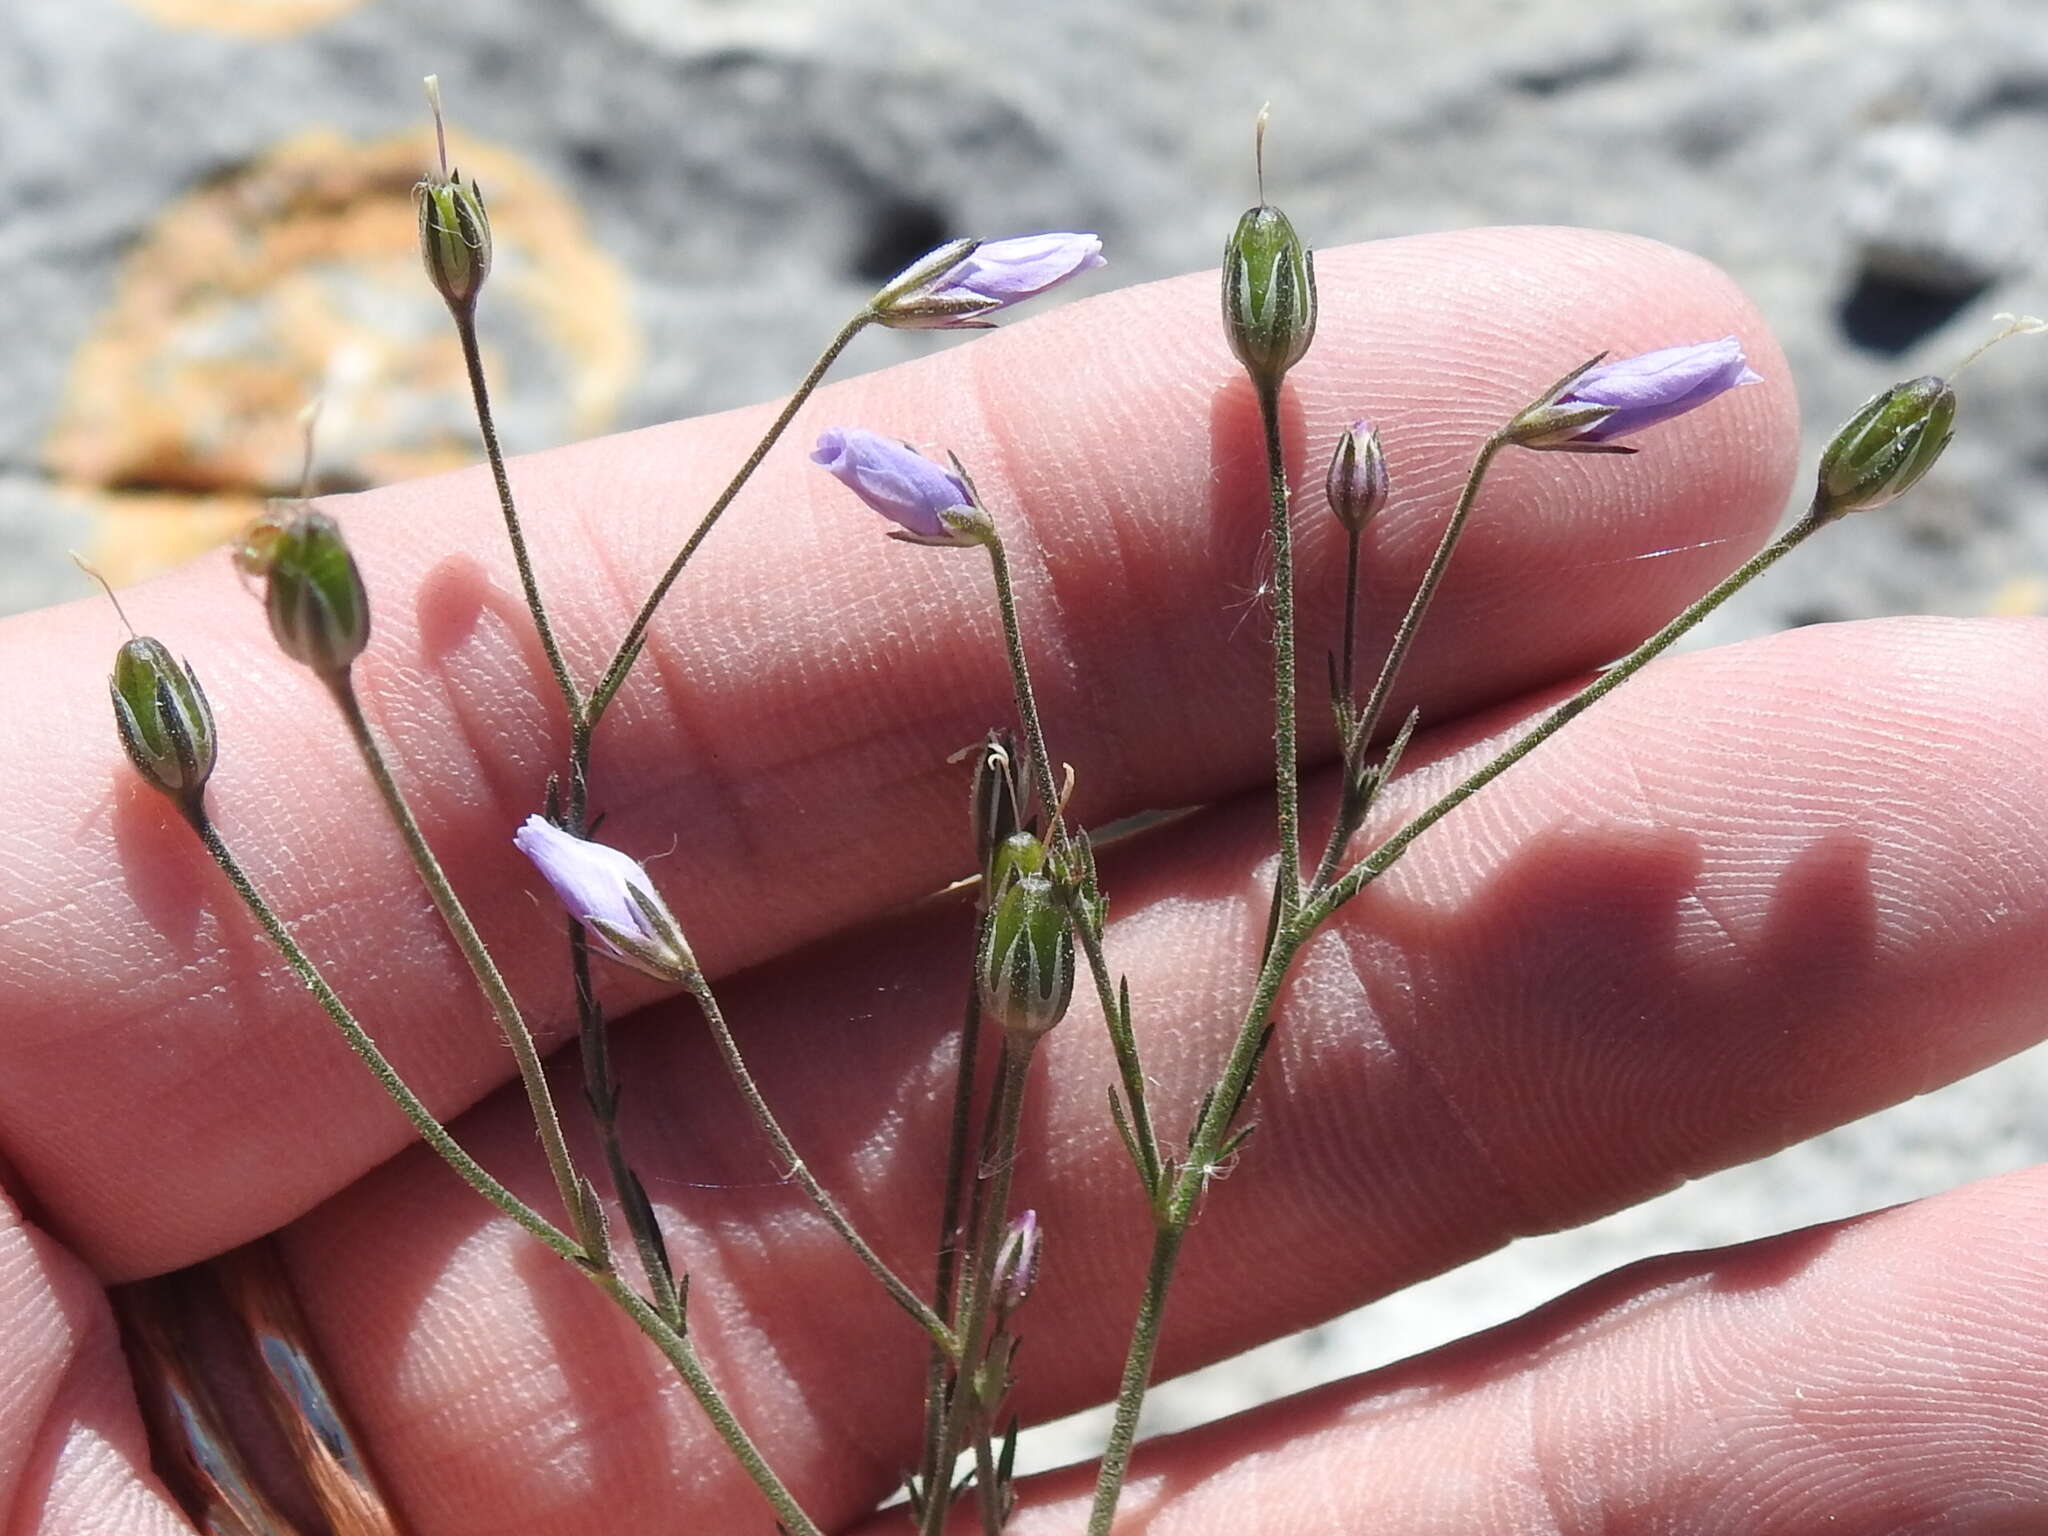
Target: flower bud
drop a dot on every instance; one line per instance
(958, 285)
(1019, 854)
(166, 725)
(1026, 966)
(1269, 295)
(455, 238)
(455, 232)
(318, 609)
(1357, 482)
(928, 504)
(1586, 410)
(609, 894)
(1884, 449)
(1017, 1262)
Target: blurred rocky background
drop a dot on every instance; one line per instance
(205, 219)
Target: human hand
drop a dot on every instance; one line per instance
(1758, 892)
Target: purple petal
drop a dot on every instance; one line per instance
(891, 477)
(591, 880)
(1656, 386)
(1004, 271)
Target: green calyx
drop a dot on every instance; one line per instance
(318, 609)
(1884, 449)
(1025, 969)
(455, 238)
(1269, 295)
(165, 723)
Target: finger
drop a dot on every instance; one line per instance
(1880, 1374)
(788, 736)
(1759, 892)
(72, 1457)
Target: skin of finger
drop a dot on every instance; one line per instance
(73, 1461)
(789, 739)
(1881, 1374)
(1760, 892)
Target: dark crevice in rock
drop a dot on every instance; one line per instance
(1888, 312)
(900, 230)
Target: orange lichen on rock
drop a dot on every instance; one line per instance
(298, 277)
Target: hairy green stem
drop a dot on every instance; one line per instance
(629, 648)
(1007, 1123)
(1368, 720)
(435, 1135)
(1020, 687)
(1345, 682)
(430, 1129)
(1286, 767)
(959, 1137)
(539, 1098)
(735, 1065)
(472, 360)
(1383, 857)
(1235, 1080)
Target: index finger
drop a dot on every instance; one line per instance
(788, 731)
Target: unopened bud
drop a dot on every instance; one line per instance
(1017, 1262)
(1357, 482)
(1884, 449)
(318, 609)
(1269, 295)
(166, 725)
(455, 231)
(1026, 966)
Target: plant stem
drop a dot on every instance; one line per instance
(1286, 769)
(629, 648)
(472, 359)
(728, 1048)
(1007, 1121)
(1352, 811)
(1129, 1067)
(958, 1138)
(1235, 1080)
(539, 1098)
(683, 1356)
(1350, 613)
(430, 1129)
(1383, 857)
(1021, 690)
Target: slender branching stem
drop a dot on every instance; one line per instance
(430, 1129)
(836, 1217)
(629, 648)
(959, 1138)
(1020, 687)
(1384, 856)
(472, 359)
(964, 1409)
(1286, 767)
(671, 1343)
(1129, 1067)
(1367, 722)
(1346, 680)
(1210, 1134)
(683, 1356)
(525, 1055)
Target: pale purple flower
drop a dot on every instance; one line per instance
(609, 893)
(1655, 386)
(1017, 1261)
(947, 291)
(897, 481)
